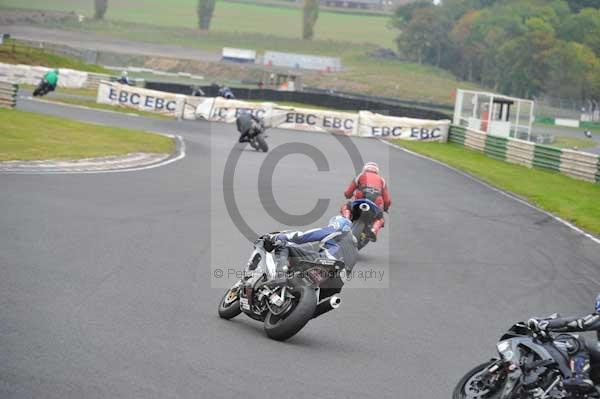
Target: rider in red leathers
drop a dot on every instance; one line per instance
(369, 185)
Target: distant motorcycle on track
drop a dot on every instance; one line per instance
(42, 89)
(252, 130)
(284, 301)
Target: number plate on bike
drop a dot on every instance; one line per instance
(244, 303)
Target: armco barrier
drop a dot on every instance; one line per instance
(456, 135)
(325, 100)
(495, 147)
(579, 165)
(8, 95)
(475, 140)
(547, 157)
(520, 152)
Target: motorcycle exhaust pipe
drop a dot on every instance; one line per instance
(325, 306)
(364, 207)
(335, 301)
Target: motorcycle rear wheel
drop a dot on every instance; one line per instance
(229, 307)
(282, 328)
(468, 388)
(262, 144)
(361, 237)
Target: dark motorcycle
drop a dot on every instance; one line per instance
(364, 212)
(284, 301)
(530, 365)
(42, 89)
(256, 137)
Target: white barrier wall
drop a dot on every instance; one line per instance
(32, 75)
(566, 122)
(363, 123)
(238, 54)
(377, 125)
(304, 61)
(141, 99)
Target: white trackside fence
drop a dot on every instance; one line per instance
(361, 123)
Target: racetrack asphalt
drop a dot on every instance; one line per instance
(106, 287)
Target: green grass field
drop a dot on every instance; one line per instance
(573, 200)
(91, 103)
(362, 73)
(571, 142)
(231, 17)
(258, 27)
(29, 136)
(30, 56)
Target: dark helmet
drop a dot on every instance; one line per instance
(598, 304)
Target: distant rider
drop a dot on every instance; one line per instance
(580, 380)
(124, 79)
(50, 79)
(335, 241)
(226, 92)
(248, 125)
(369, 185)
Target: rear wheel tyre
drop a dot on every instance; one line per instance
(228, 307)
(281, 329)
(468, 387)
(262, 144)
(358, 229)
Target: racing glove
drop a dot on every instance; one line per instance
(537, 325)
(270, 242)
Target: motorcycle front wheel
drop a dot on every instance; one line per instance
(474, 385)
(39, 91)
(229, 307)
(282, 327)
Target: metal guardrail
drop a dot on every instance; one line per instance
(379, 99)
(8, 94)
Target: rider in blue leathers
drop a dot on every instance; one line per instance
(335, 241)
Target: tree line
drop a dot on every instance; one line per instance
(521, 47)
(206, 8)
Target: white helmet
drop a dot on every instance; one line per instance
(124, 73)
(371, 167)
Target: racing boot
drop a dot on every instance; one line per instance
(579, 381)
(377, 225)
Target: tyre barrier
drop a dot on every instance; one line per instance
(576, 164)
(8, 94)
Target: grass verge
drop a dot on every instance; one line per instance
(17, 54)
(573, 200)
(93, 104)
(30, 136)
(570, 142)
